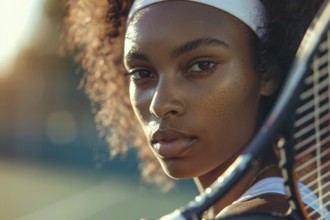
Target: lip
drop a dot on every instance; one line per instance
(169, 143)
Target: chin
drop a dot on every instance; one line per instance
(177, 172)
(177, 176)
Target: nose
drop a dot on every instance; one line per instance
(167, 100)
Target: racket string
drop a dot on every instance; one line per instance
(303, 151)
(312, 136)
(308, 116)
(302, 167)
(315, 213)
(310, 194)
(318, 217)
(310, 104)
(322, 61)
(310, 174)
(317, 123)
(310, 92)
(322, 109)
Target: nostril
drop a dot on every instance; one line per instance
(166, 102)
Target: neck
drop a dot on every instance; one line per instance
(205, 181)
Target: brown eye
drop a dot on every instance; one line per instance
(141, 74)
(201, 66)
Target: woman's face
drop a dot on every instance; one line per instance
(193, 85)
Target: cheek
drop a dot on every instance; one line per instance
(139, 101)
(220, 100)
(135, 101)
(232, 108)
(218, 112)
(214, 105)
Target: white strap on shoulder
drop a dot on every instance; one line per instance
(276, 185)
(264, 186)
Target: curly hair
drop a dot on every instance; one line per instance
(94, 31)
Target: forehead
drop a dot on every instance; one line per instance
(171, 22)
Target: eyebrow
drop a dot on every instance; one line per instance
(194, 44)
(182, 49)
(136, 55)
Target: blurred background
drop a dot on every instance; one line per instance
(53, 164)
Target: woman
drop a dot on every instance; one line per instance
(201, 76)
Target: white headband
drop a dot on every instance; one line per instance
(251, 12)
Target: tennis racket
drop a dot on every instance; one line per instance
(300, 121)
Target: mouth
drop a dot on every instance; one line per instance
(173, 147)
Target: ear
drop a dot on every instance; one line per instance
(268, 87)
(269, 79)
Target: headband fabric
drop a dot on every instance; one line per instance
(251, 12)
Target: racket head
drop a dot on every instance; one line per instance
(305, 145)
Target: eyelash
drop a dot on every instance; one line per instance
(210, 66)
(133, 74)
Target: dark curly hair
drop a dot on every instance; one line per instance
(94, 30)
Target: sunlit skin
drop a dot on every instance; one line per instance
(194, 88)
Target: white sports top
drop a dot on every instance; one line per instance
(276, 185)
(267, 185)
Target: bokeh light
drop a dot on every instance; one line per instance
(17, 18)
(61, 127)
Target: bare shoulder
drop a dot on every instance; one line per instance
(267, 203)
